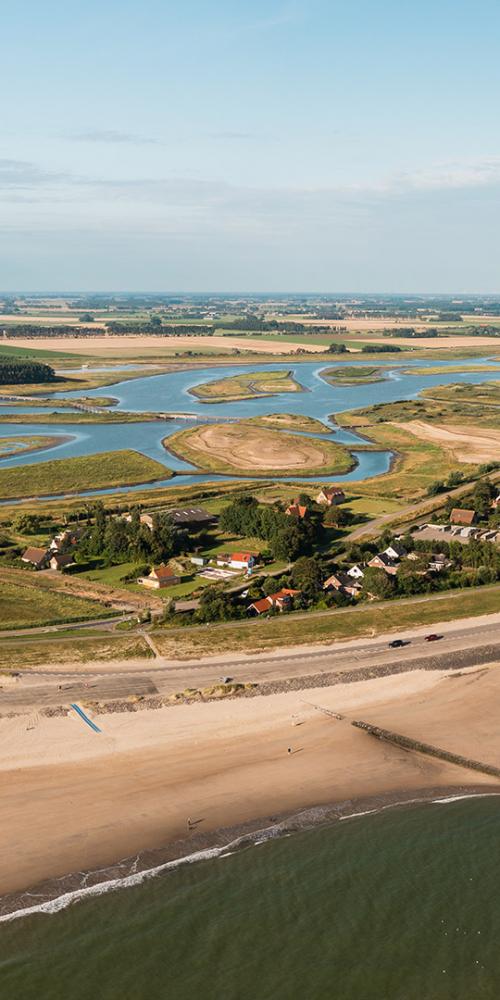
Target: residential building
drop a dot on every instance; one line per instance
(356, 572)
(239, 560)
(60, 560)
(465, 517)
(343, 584)
(382, 561)
(160, 577)
(330, 496)
(296, 509)
(280, 601)
(395, 551)
(438, 562)
(36, 557)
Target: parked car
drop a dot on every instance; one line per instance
(433, 637)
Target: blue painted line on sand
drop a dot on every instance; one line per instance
(85, 718)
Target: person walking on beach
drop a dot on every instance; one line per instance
(290, 750)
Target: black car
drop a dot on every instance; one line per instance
(396, 643)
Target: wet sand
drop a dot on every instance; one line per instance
(73, 800)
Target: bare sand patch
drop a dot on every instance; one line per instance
(466, 443)
(250, 449)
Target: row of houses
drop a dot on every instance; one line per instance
(349, 581)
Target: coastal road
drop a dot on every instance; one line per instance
(462, 644)
(420, 508)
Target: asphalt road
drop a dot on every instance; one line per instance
(463, 644)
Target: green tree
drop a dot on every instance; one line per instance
(28, 524)
(307, 576)
(378, 582)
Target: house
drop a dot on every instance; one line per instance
(239, 560)
(355, 572)
(59, 560)
(465, 517)
(382, 561)
(438, 562)
(280, 601)
(343, 584)
(35, 557)
(160, 577)
(330, 495)
(65, 539)
(395, 551)
(295, 509)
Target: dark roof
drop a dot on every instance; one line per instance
(191, 515)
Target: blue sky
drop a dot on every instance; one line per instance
(280, 146)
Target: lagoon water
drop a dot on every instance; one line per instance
(400, 905)
(170, 393)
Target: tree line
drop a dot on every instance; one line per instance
(24, 371)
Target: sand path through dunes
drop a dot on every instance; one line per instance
(467, 444)
(257, 448)
(144, 345)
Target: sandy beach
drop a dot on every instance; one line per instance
(74, 800)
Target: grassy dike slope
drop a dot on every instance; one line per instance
(70, 475)
(261, 635)
(247, 449)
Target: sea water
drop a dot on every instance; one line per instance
(403, 904)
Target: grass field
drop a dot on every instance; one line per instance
(24, 604)
(247, 449)
(71, 475)
(252, 385)
(326, 627)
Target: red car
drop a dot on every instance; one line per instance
(433, 637)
